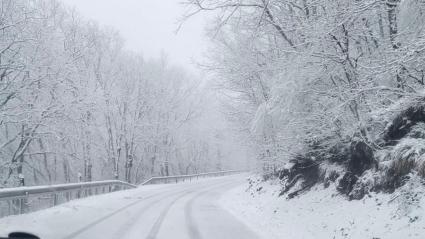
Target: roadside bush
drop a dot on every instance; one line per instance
(403, 123)
(356, 167)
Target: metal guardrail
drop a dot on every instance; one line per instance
(190, 177)
(14, 201)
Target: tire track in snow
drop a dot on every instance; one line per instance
(157, 226)
(191, 224)
(158, 223)
(98, 221)
(122, 209)
(124, 229)
(104, 218)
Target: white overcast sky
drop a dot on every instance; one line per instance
(148, 26)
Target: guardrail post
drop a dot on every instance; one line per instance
(21, 206)
(15, 206)
(10, 204)
(55, 199)
(26, 202)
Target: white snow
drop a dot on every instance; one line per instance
(189, 209)
(179, 211)
(322, 214)
(68, 217)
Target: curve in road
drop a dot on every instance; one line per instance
(179, 211)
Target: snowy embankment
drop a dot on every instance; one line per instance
(323, 214)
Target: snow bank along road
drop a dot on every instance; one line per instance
(178, 211)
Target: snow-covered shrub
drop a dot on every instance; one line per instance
(369, 181)
(408, 121)
(303, 174)
(417, 131)
(402, 154)
(403, 159)
(356, 168)
(342, 163)
(332, 172)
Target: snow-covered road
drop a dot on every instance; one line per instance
(179, 211)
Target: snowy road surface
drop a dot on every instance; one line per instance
(178, 211)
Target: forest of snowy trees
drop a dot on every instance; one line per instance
(318, 90)
(317, 108)
(75, 105)
(323, 89)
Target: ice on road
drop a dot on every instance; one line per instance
(180, 211)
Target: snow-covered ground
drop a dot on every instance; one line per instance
(322, 214)
(226, 208)
(180, 211)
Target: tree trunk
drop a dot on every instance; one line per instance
(392, 22)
